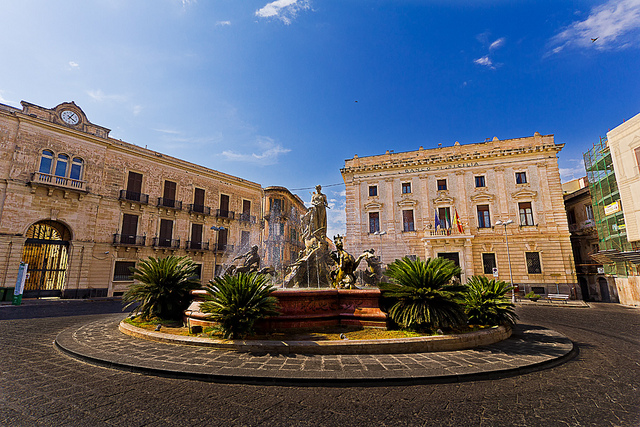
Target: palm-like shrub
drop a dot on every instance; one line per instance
(422, 294)
(486, 304)
(237, 301)
(161, 287)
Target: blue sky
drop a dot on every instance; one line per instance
(267, 90)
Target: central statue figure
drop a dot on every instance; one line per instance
(318, 219)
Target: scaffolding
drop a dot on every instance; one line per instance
(607, 207)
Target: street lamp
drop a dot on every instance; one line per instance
(380, 233)
(506, 239)
(215, 250)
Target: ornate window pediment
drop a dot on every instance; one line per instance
(373, 206)
(482, 197)
(443, 198)
(407, 203)
(525, 194)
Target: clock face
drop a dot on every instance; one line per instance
(70, 117)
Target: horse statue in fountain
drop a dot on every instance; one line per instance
(250, 264)
(344, 275)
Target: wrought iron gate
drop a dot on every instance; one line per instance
(47, 261)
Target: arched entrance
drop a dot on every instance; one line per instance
(604, 289)
(46, 250)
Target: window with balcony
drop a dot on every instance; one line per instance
(484, 219)
(168, 199)
(406, 188)
(128, 235)
(166, 233)
(444, 216)
(222, 239)
(374, 222)
(533, 263)
(526, 214)
(246, 212)
(407, 220)
(480, 181)
(198, 203)
(488, 262)
(442, 184)
(60, 170)
(373, 190)
(521, 177)
(134, 189)
(46, 161)
(62, 163)
(196, 237)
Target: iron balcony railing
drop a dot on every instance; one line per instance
(197, 246)
(59, 181)
(169, 203)
(201, 209)
(220, 213)
(129, 239)
(161, 242)
(222, 248)
(245, 217)
(134, 197)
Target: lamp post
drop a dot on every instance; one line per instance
(215, 250)
(380, 233)
(506, 239)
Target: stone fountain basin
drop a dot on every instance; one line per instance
(386, 346)
(310, 308)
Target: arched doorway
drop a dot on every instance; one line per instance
(46, 250)
(604, 290)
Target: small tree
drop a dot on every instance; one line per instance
(162, 287)
(422, 294)
(237, 301)
(486, 303)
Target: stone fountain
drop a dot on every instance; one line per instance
(320, 288)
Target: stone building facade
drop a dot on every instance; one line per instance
(392, 201)
(282, 235)
(81, 207)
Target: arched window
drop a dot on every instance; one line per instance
(76, 169)
(61, 165)
(46, 161)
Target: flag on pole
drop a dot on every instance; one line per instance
(447, 221)
(457, 223)
(437, 221)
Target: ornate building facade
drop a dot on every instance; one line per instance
(446, 202)
(81, 208)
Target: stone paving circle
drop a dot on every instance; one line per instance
(100, 342)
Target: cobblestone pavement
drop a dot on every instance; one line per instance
(530, 347)
(41, 386)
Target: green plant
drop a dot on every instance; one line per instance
(161, 287)
(237, 301)
(422, 294)
(532, 295)
(486, 304)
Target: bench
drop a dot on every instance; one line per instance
(562, 297)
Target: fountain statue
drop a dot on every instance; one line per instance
(372, 275)
(250, 264)
(344, 277)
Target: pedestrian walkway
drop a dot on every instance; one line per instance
(100, 342)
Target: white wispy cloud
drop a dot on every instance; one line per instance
(497, 44)
(73, 64)
(615, 24)
(4, 100)
(100, 96)
(574, 170)
(337, 215)
(485, 61)
(223, 23)
(268, 153)
(137, 109)
(284, 10)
